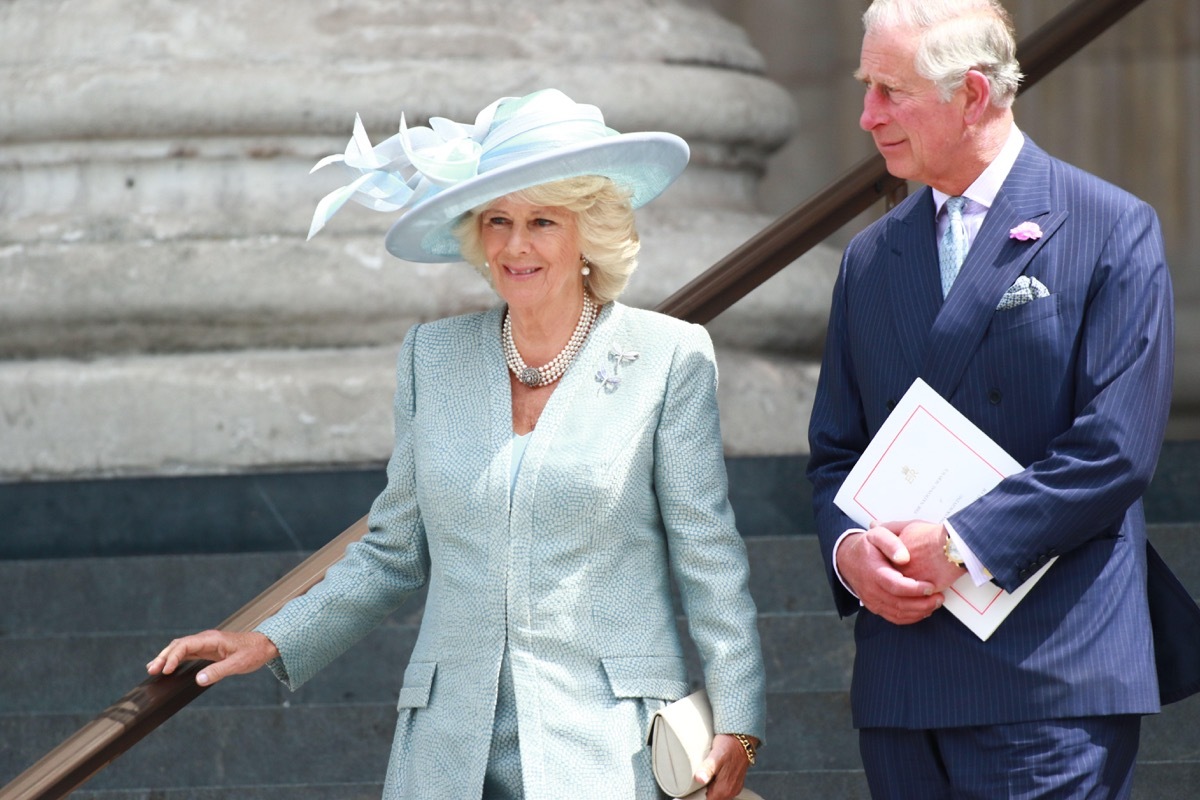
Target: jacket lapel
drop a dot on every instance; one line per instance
(994, 262)
(909, 248)
(489, 383)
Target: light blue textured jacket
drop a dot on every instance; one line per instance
(623, 482)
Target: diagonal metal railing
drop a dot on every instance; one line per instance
(155, 700)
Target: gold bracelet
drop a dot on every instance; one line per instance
(747, 745)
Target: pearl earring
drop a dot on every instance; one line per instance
(587, 266)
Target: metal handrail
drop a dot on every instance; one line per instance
(156, 699)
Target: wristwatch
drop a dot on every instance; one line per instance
(951, 551)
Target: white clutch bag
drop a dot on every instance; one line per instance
(680, 737)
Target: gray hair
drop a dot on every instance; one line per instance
(603, 217)
(956, 36)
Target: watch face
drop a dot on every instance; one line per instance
(952, 554)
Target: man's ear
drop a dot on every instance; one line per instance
(977, 96)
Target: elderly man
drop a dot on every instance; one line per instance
(1036, 299)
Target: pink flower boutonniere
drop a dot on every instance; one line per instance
(1025, 232)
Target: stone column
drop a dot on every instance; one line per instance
(161, 311)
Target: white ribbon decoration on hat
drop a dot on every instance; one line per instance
(406, 167)
(416, 162)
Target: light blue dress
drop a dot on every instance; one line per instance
(549, 589)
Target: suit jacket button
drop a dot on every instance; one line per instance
(994, 397)
(1023, 574)
(891, 405)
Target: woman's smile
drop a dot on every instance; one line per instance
(533, 252)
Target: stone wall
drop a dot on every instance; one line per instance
(161, 313)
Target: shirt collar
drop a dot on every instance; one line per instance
(985, 188)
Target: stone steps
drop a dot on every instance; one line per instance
(74, 634)
(309, 791)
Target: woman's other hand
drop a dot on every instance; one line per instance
(231, 654)
(725, 768)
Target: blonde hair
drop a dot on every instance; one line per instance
(956, 36)
(608, 238)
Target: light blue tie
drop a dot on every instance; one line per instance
(953, 247)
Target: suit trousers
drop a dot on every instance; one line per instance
(1063, 759)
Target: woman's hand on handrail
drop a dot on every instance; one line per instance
(231, 654)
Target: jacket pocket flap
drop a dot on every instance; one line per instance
(647, 676)
(418, 683)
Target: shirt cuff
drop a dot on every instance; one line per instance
(836, 545)
(979, 573)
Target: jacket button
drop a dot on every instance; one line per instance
(891, 405)
(1023, 574)
(994, 397)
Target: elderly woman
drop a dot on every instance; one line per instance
(556, 460)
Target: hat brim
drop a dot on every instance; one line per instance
(644, 163)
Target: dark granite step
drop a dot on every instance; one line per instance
(300, 511)
(75, 634)
(311, 791)
(40, 597)
(808, 734)
(1153, 781)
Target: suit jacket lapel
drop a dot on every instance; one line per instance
(489, 382)
(993, 263)
(910, 248)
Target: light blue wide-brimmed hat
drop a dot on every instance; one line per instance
(436, 174)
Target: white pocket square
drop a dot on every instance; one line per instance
(1021, 292)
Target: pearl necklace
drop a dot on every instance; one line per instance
(534, 377)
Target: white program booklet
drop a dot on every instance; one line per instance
(925, 463)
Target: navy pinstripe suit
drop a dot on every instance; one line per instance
(1075, 386)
